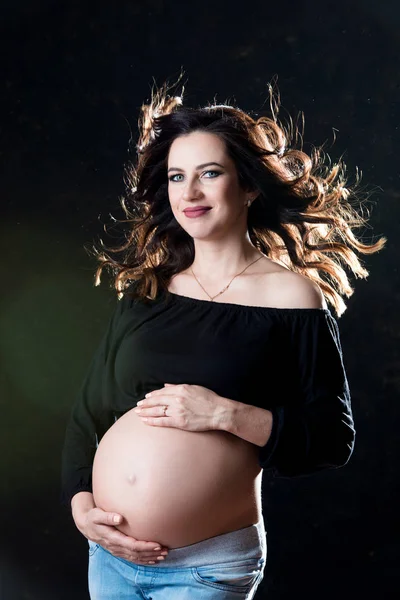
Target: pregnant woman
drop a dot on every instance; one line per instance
(221, 359)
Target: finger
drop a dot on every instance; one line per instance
(131, 545)
(150, 411)
(145, 556)
(139, 556)
(138, 561)
(102, 517)
(168, 391)
(156, 421)
(135, 557)
(142, 546)
(149, 402)
(125, 545)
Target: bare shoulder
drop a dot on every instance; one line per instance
(293, 290)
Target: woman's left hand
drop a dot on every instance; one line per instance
(189, 407)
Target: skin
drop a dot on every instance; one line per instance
(222, 249)
(100, 527)
(221, 240)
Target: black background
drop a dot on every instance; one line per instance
(73, 77)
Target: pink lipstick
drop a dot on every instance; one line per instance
(192, 214)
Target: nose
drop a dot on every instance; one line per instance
(191, 190)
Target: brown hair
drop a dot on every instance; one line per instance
(303, 216)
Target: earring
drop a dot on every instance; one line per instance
(250, 200)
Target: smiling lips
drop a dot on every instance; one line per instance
(196, 212)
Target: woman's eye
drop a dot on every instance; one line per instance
(180, 174)
(172, 177)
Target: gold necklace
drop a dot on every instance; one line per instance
(226, 287)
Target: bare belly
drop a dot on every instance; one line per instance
(176, 487)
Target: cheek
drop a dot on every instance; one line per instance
(173, 201)
(173, 197)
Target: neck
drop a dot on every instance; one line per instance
(216, 264)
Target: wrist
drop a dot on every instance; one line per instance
(251, 423)
(224, 418)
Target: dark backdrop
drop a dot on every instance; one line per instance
(73, 76)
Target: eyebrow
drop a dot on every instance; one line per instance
(198, 166)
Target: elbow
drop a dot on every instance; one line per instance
(329, 448)
(339, 446)
(334, 435)
(345, 447)
(309, 444)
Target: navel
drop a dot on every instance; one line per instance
(132, 479)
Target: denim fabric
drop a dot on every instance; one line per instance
(225, 567)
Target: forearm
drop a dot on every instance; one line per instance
(250, 423)
(81, 503)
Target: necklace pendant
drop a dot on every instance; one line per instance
(226, 287)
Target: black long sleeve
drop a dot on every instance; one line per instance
(314, 430)
(87, 416)
(286, 360)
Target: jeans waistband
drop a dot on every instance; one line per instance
(241, 544)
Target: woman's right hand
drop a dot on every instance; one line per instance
(99, 526)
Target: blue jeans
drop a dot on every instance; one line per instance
(225, 567)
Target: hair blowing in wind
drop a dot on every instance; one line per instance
(304, 217)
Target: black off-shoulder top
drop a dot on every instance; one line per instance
(286, 360)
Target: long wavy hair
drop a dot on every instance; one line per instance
(303, 216)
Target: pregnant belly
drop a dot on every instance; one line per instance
(173, 486)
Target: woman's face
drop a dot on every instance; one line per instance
(213, 185)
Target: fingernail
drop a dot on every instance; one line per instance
(157, 548)
(116, 519)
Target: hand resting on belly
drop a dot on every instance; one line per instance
(173, 485)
